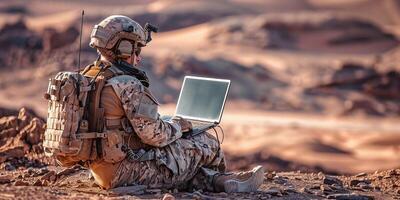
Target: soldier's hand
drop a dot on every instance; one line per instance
(186, 125)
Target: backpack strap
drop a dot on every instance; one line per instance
(100, 72)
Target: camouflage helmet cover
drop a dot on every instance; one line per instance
(108, 32)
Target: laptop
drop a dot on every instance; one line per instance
(202, 101)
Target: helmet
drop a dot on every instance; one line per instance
(115, 28)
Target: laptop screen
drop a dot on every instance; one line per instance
(202, 98)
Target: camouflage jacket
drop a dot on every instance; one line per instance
(141, 109)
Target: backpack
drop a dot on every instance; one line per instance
(68, 132)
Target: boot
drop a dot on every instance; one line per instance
(248, 181)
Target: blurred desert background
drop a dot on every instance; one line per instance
(315, 83)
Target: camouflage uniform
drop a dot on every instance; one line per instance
(178, 161)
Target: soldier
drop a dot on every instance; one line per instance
(140, 147)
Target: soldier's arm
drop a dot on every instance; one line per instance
(142, 111)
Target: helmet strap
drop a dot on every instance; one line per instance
(133, 54)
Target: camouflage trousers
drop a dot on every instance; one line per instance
(184, 164)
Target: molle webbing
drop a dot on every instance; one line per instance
(99, 71)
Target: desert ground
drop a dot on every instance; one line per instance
(315, 94)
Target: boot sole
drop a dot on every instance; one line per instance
(250, 185)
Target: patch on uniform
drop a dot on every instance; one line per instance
(147, 108)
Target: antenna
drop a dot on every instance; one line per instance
(80, 42)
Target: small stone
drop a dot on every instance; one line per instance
(290, 190)
(42, 171)
(326, 188)
(66, 172)
(48, 175)
(330, 180)
(318, 193)
(361, 174)
(45, 183)
(175, 191)
(270, 176)
(273, 191)
(5, 179)
(279, 180)
(364, 186)
(321, 175)
(21, 183)
(37, 183)
(315, 187)
(9, 167)
(53, 178)
(356, 182)
(386, 177)
(168, 197)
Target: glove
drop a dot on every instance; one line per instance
(186, 125)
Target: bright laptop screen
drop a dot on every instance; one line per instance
(202, 98)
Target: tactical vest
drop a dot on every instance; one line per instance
(75, 123)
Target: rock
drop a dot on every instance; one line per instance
(53, 39)
(305, 190)
(38, 183)
(168, 197)
(321, 175)
(330, 180)
(66, 172)
(54, 178)
(279, 180)
(9, 167)
(290, 190)
(386, 177)
(45, 183)
(48, 175)
(326, 188)
(364, 186)
(270, 176)
(361, 174)
(21, 183)
(349, 197)
(273, 192)
(392, 172)
(33, 131)
(5, 179)
(355, 182)
(315, 187)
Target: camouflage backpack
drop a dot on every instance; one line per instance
(70, 131)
